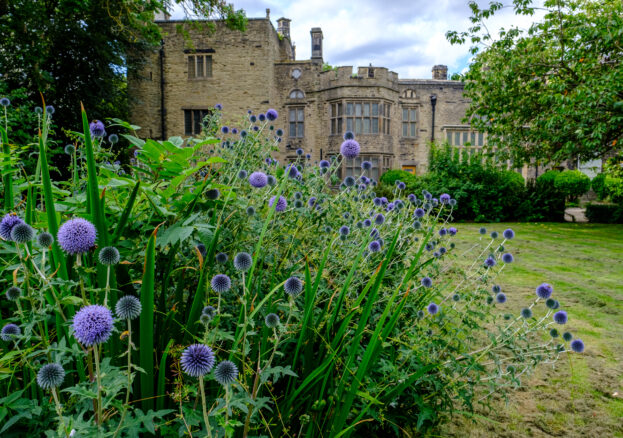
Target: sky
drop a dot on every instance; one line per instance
(406, 36)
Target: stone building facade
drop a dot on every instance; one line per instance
(393, 119)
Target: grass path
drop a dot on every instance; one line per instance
(582, 395)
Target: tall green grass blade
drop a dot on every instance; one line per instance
(7, 178)
(146, 322)
(162, 372)
(125, 214)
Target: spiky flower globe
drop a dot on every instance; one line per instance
(507, 258)
(7, 223)
(544, 291)
(349, 135)
(243, 261)
(220, 283)
(197, 360)
(433, 308)
(77, 236)
(526, 313)
(221, 258)
(202, 249)
(482, 230)
(379, 219)
(508, 234)
(324, 164)
(350, 149)
(226, 372)
(272, 114)
(271, 180)
(45, 239)
(250, 211)
(97, 129)
(5, 102)
(109, 255)
(128, 307)
(280, 205)
(93, 325)
(209, 311)
(70, 149)
(374, 246)
(427, 282)
(577, 345)
(496, 289)
(552, 303)
(272, 320)
(258, 179)
(419, 213)
(22, 233)
(50, 376)
(344, 230)
(494, 234)
(293, 286)
(113, 138)
(13, 293)
(500, 298)
(9, 332)
(213, 194)
(490, 262)
(560, 317)
(445, 198)
(567, 336)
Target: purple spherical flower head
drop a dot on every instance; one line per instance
(293, 286)
(93, 325)
(444, 198)
(432, 308)
(9, 331)
(577, 345)
(197, 360)
(366, 165)
(77, 236)
(560, 317)
(367, 223)
(219, 107)
(280, 205)
(443, 232)
(220, 283)
(544, 291)
(427, 282)
(97, 128)
(374, 246)
(261, 117)
(324, 164)
(401, 186)
(258, 179)
(419, 212)
(452, 231)
(508, 234)
(225, 130)
(348, 135)
(379, 219)
(350, 149)
(490, 262)
(272, 114)
(312, 201)
(500, 298)
(7, 223)
(507, 258)
(412, 198)
(5, 101)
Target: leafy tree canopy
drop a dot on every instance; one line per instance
(553, 91)
(80, 50)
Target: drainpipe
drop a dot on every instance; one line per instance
(433, 102)
(163, 128)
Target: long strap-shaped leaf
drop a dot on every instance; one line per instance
(146, 339)
(7, 177)
(125, 214)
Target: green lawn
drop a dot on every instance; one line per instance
(582, 395)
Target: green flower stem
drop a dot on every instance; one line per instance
(107, 286)
(129, 388)
(82, 290)
(204, 406)
(99, 385)
(59, 410)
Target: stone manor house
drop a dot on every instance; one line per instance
(393, 119)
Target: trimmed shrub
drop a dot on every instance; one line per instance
(614, 188)
(598, 184)
(605, 213)
(572, 183)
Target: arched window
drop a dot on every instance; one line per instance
(297, 94)
(408, 94)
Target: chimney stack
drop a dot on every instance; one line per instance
(316, 40)
(283, 27)
(440, 72)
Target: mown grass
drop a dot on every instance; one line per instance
(581, 395)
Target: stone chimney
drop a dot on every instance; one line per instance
(316, 41)
(283, 27)
(440, 72)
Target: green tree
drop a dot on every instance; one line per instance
(79, 50)
(553, 91)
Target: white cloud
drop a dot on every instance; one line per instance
(406, 36)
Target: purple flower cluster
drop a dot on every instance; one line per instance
(97, 129)
(544, 291)
(197, 360)
(7, 223)
(93, 325)
(258, 179)
(77, 236)
(272, 114)
(350, 149)
(280, 205)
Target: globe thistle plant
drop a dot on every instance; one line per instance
(77, 236)
(544, 291)
(7, 223)
(109, 256)
(45, 240)
(526, 313)
(213, 194)
(221, 258)
(13, 293)
(293, 286)
(374, 246)
(197, 360)
(93, 325)
(70, 149)
(432, 309)
(577, 345)
(258, 179)
(22, 233)
(220, 283)
(97, 129)
(226, 372)
(243, 261)
(209, 311)
(490, 262)
(9, 332)
(5, 102)
(350, 149)
(560, 317)
(280, 205)
(349, 135)
(500, 298)
(128, 307)
(272, 320)
(50, 376)
(427, 282)
(507, 258)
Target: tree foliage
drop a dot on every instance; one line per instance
(553, 91)
(76, 50)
